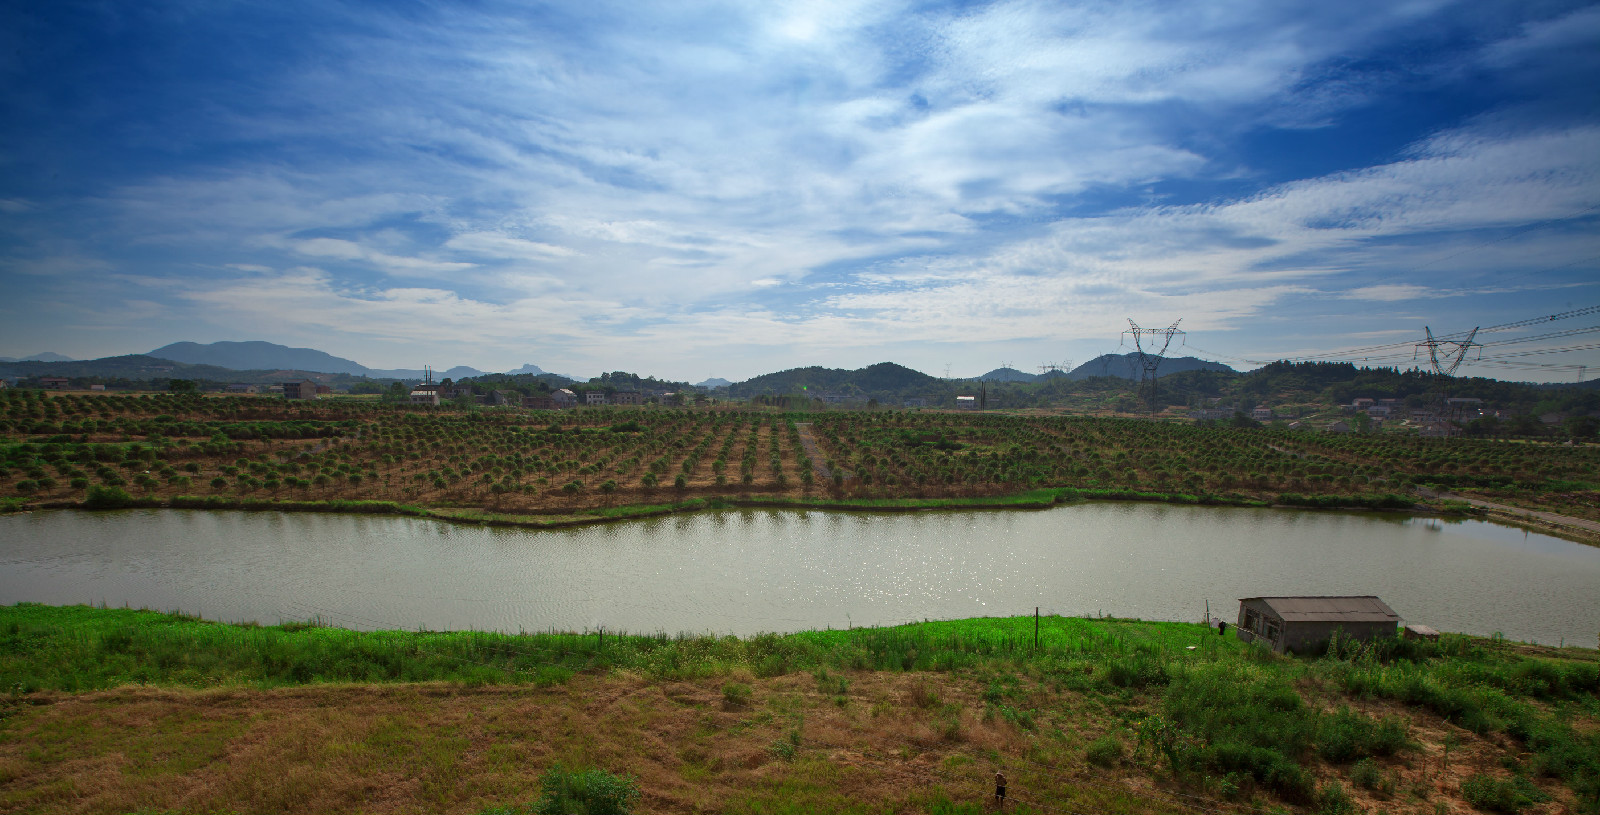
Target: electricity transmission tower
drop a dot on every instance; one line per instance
(1151, 359)
(1452, 359)
(1064, 366)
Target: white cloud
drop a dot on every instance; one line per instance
(826, 175)
(1224, 264)
(393, 264)
(1577, 32)
(1389, 293)
(505, 247)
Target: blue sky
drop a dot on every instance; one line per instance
(726, 189)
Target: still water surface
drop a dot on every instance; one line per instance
(744, 571)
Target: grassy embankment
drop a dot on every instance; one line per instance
(116, 710)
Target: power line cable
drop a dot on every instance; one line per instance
(1378, 352)
(1550, 336)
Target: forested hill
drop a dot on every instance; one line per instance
(1338, 383)
(885, 380)
(132, 367)
(1126, 366)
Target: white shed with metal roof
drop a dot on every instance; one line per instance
(1307, 623)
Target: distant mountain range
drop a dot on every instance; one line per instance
(216, 360)
(258, 355)
(885, 378)
(1186, 380)
(1124, 366)
(47, 356)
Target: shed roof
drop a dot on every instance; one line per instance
(1367, 609)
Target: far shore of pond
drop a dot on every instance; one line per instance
(1030, 500)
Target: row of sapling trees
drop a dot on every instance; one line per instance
(167, 445)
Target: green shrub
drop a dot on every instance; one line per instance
(1333, 800)
(107, 497)
(1368, 775)
(1105, 751)
(588, 792)
(736, 694)
(1346, 735)
(1492, 794)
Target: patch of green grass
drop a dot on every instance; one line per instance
(1226, 718)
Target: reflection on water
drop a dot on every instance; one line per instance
(744, 571)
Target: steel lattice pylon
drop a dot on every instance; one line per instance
(1452, 359)
(1149, 361)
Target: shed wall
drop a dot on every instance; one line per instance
(1309, 636)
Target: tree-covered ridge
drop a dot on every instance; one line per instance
(524, 384)
(883, 381)
(1341, 382)
(1304, 386)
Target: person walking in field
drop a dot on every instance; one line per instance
(1000, 790)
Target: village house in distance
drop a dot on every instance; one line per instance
(300, 389)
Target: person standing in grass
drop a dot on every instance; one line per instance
(1000, 790)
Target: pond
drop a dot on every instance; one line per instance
(748, 571)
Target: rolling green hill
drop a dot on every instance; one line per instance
(883, 381)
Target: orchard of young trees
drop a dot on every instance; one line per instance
(55, 447)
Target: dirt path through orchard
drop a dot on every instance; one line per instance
(809, 442)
